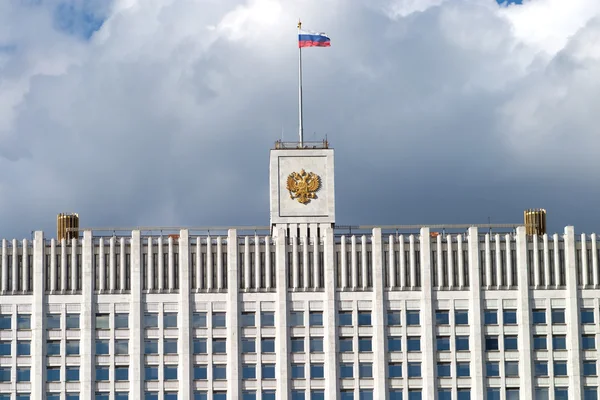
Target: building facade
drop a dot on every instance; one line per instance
(302, 309)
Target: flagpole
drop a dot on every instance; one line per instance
(300, 122)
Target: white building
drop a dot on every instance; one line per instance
(301, 309)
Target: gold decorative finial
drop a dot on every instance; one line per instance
(299, 24)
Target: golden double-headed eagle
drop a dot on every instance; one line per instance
(303, 186)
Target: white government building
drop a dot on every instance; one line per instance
(302, 309)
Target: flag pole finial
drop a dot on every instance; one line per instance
(299, 24)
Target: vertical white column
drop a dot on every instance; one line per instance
(499, 274)
(475, 323)
(363, 262)
(427, 322)
(136, 306)
(74, 266)
(595, 261)
(112, 264)
(123, 264)
(63, 264)
(316, 262)
(281, 331)
(488, 263)
(209, 264)
(451, 266)
(233, 354)
(379, 304)
(150, 258)
(295, 266)
(403, 266)
(354, 261)
(161, 264)
(305, 263)
(53, 266)
(247, 271)
(536, 263)
(86, 318)
(391, 263)
(439, 261)
(102, 262)
(546, 261)
(557, 260)
(509, 273)
(220, 273)
(268, 282)
(38, 319)
(413, 263)
(184, 370)
(15, 266)
(171, 264)
(523, 315)
(199, 266)
(257, 266)
(4, 266)
(344, 262)
(25, 266)
(584, 261)
(461, 262)
(572, 315)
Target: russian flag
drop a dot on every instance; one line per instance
(313, 39)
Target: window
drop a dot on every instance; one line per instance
(364, 318)
(121, 321)
(51, 396)
(444, 394)
(365, 370)
(150, 373)
(463, 369)
(248, 319)
(442, 317)
(538, 316)
(413, 318)
(491, 343)
(365, 344)
(462, 343)
(121, 396)
(151, 396)
(346, 370)
(102, 396)
(315, 318)
(268, 371)
(5, 348)
(218, 320)
(490, 317)
(512, 394)
(200, 346)
(589, 368)
(510, 342)
(443, 369)
(23, 374)
(170, 320)
(509, 317)
(267, 345)
(493, 393)
(541, 394)
(560, 368)
(463, 394)
(23, 321)
(201, 372)
(72, 396)
(590, 393)
(220, 396)
(170, 395)
(267, 318)
(492, 369)
(559, 342)
(540, 342)
(53, 374)
(296, 318)
(347, 394)
(511, 368)
(414, 369)
(541, 368)
(297, 394)
(151, 320)
(395, 394)
(413, 343)
(317, 371)
(219, 371)
(4, 374)
(395, 370)
(102, 321)
(72, 374)
(561, 393)
(199, 320)
(558, 315)
(53, 321)
(297, 371)
(588, 342)
(53, 347)
(121, 346)
(151, 346)
(248, 395)
(219, 346)
(316, 344)
(170, 372)
(394, 318)
(314, 395)
(414, 394)
(23, 348)
(587, 315)
(394, 343)
(102, 373)
(72, 347)
(365, 394)
(270, 395)
(442, 343)
(121, 373)
(461, 317)
(297, 345)
(345, 344)
(248, 345)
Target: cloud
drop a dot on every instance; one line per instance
(163, 113)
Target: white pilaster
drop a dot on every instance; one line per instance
(161, 265)
(74, 266)
(427, 320)
(63, 264)
(15, 266)
(475, 322)
(85, 319)
(25, 286)
(379, 300)
(233, 355)
(185, 332)
(281, 331)
(112, 264)
(38, 320)
(123, 264)
(136, 350)
(523, 315)
(572, 316)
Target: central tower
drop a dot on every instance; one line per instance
(302, 190)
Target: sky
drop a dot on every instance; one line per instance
(163, 112)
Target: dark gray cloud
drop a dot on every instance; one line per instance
(439, 111)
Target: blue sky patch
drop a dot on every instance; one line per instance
(77, 19)
(507, 2)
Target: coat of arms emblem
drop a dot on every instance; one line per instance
(303, 186)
